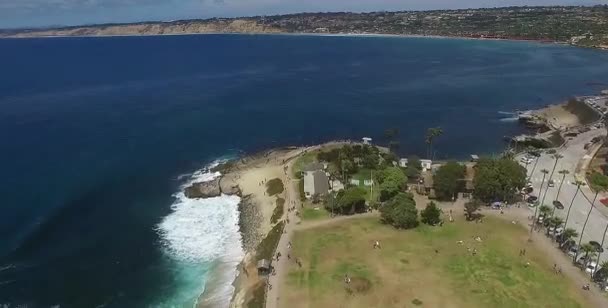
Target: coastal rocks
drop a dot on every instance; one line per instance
(204, 189)
(250, 222)
(532, 121)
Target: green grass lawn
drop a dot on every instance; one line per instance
(312, 214)
(408, 272)
(302, 161)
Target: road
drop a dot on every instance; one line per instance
(572, 153)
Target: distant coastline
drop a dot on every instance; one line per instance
(363, 35)
(578, 26)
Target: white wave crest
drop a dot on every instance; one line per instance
(508, 119)
(205, 232)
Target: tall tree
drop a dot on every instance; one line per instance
(351, 200)
(400, 212)
(544, 172)
(601, 245)
(588, 250)
(578, 188)
(391, 135)
(431, 134)
(498, 179)
(601, 185)
(391, 181)
(447, 181)
(563, 172)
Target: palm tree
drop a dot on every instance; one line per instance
(601, 245)
(599, 188)
(563, 172)
(544, 210)
(568, 234)
(578, 188)
(533, 168)
(589, 251)
(554, 222)
(544, 171)
(601, 274)
(431, 133)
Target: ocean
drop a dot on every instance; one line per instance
(99, 135)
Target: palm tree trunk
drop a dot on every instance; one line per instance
(599, 254)
(537, 206)
(578, 187)
(559, 189)
(585, 224)
(533, 168)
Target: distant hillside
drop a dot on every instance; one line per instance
(581, 26)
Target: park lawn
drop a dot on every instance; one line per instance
(302, 161)
(309, 213)
(407, 272)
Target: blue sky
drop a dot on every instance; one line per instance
(27, 13)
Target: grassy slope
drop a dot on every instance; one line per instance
(407, 269)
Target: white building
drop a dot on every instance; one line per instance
(367, 140)
(315, 183)
(426, 164)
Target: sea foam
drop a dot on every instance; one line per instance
(204, 232)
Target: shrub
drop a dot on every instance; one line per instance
(274, 186)
(431, 214)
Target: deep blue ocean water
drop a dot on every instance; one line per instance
(95, 133)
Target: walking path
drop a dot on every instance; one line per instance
(291, 220)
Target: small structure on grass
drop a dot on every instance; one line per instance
(367, 140)
(426, 164)
(264, 267)
(403, 162)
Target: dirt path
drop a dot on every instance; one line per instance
(330, 221)
(291, 199)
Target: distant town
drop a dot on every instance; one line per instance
(576, 25)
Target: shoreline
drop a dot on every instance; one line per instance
(341, 34)
(255, 208)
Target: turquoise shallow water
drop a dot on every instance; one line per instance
(99, 134)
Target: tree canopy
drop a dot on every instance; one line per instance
(498, 179)
(392, 181)
(447, 181)
(400, 211)
(413, 168)
(431, 214)
(350, 200)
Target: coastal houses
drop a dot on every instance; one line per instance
(316, 181)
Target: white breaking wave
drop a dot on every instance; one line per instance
(508, 119)
(506, 112)
(205, 231)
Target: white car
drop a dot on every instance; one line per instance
(526, 160)
(590, 269)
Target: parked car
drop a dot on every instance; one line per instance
(558, 205)
(528, 190)
(597, 246)
(526, 160)
(532, 199)
(573, 250)
(590, 268)
(551, 183)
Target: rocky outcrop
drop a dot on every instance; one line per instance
(212, 189)
(204, 189)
